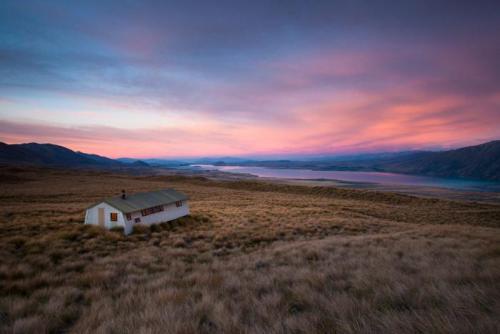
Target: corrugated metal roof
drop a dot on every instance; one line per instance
(141, 201)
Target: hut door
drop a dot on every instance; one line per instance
(101, 217)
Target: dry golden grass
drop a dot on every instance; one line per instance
(252, 258)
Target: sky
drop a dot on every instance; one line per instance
(216, 78)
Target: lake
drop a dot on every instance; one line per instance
(361, 177)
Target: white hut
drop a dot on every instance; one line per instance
(142, 208)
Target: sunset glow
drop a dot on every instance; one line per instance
(164, 79)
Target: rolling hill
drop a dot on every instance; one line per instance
(51, 155)
(473, 162)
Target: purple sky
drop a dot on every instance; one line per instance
(200, 78)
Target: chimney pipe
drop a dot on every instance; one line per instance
(124, 195)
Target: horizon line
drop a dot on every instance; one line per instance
(285, 156)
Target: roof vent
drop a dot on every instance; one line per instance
(124, 195)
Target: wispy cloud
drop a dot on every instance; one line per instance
(161, 79)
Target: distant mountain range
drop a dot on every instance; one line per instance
(155, 162)
(57, 156)
(473, 162)
(476, 162)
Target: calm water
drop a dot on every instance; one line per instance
(369, 177)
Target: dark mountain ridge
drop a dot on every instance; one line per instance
(472, 162)
(475, 162)
(51, 155)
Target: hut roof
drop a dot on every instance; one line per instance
(141, 201)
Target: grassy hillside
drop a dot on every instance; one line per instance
(253, 257)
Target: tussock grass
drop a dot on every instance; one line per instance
(253, 257)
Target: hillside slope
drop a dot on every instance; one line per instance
(473, 162)
(51, 155)
(477, 162)
(252, 258)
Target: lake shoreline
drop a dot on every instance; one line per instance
(359, 177)
(426, 191)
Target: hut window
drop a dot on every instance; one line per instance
(137, 220)
(178, 203)
(150, 211)
(129, 216)
(113, 216)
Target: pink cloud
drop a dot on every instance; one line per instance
(322, 102)
(355, 122)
